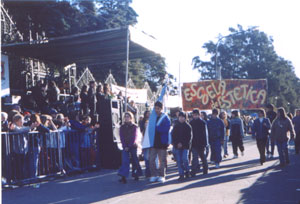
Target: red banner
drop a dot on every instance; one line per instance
(224, 94)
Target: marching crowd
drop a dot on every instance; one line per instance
(191, 137)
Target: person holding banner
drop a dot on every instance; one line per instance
(216, 133)
(159, 143)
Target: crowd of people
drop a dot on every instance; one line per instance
(191, 137)
(44, 111)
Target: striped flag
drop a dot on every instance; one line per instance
(148, 140)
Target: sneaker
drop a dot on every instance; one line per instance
(217, 165)
(153, 179)
(161, 179)
(235, 156)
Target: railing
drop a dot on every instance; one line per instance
(30, 157)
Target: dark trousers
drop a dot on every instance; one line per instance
(297, 142)
(195, 161)
(261, 144)
(237, 143)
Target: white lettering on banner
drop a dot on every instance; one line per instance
(238, 93)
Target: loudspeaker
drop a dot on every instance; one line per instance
(110, 119)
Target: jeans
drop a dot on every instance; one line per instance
(34, 162)
(124, 170)
(225, 145)
(147, 163)
(182, 160)
(272, 146)
(196, 152)
(283, 152)
(215, 147)
(162, 158)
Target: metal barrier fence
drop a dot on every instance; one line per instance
(29, 157)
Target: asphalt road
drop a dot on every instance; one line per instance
(241, 180)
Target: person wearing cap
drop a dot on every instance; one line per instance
(199, 142)
(181, 141)
(216, 133)
(159, 144)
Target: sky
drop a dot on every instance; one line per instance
(181, 27)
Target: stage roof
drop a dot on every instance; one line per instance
(97, 47)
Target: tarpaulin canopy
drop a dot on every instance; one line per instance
(97, 47)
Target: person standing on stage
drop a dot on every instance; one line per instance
(92, 98)
(216, 133)
(199, 142)
(260, 131)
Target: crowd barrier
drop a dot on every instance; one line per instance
(30, 157)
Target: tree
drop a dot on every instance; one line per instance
(60, 18)
(250, 54)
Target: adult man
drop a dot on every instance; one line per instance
(296, 122)
(271, 115)
(216, 133)
(160, 145)
(199, 142)
(92, 98)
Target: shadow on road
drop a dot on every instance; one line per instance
(279, 186)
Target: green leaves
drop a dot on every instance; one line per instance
(250, 54)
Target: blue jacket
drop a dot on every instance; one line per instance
(261, 130)
(162, 127)
(216, 129)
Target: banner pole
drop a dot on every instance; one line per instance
(127, 62)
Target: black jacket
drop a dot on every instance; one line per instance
(200, 137)
(182, 133)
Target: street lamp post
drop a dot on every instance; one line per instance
(218, 68)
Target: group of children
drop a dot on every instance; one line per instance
(194, 136)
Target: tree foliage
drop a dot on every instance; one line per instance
(250, 54)
(61, 18)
